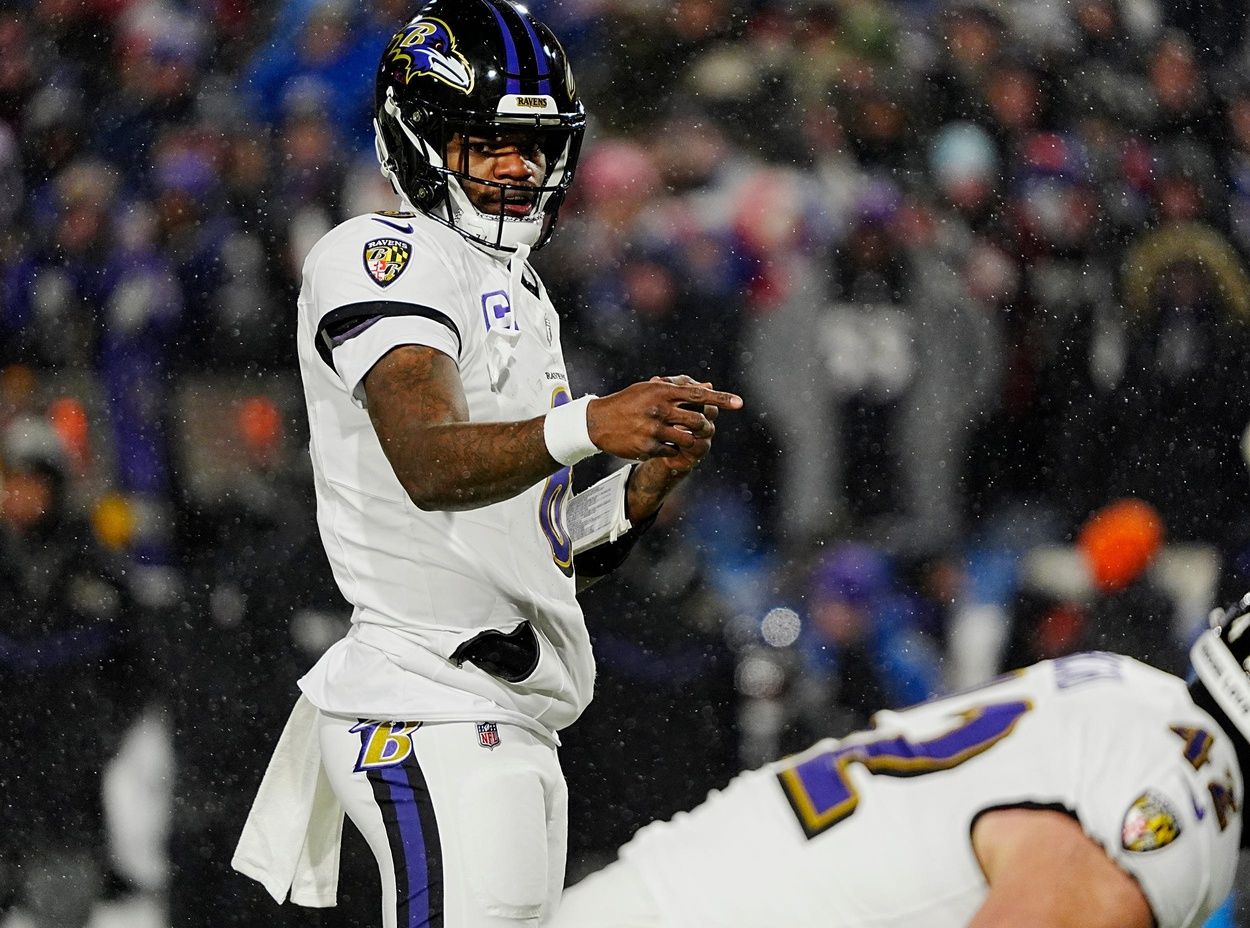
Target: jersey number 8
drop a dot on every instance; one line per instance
(551, 504)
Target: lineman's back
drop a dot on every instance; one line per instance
(875, 829)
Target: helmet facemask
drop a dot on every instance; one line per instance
(412, 149)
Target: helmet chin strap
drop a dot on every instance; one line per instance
(486, 229)
(516, 264)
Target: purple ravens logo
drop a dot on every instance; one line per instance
(427, 47)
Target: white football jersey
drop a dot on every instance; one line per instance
(423, 583)
(875, 829)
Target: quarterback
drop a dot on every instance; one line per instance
(1090, 791)
(443, 428)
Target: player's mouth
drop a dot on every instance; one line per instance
(518, 205)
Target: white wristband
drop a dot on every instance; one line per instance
(566, 432)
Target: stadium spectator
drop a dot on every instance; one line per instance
(1183, 104)
(1129, 614)
(1188, 298)
(158, 52)
(1121, 607)
(1236, 165)
(71, 678)
(861, 646)
(327, 57)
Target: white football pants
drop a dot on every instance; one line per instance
(468, 822)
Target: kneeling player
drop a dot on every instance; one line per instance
(1091, 790)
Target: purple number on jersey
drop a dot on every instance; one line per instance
(551, 504)
(821, 793)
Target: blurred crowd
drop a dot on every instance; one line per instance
(978, 266)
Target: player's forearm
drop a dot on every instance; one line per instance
(465, 465)
(419, 412)
(443, 460)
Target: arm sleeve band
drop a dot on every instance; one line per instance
(602, 534)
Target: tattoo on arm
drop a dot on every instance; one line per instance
(444, 461)
(648, 485)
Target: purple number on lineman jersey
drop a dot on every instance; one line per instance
(821, 793)
(551, 504)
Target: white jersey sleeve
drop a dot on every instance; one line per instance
(377, 282)
(1146, 768)
(1177, 877)
(1162, 807)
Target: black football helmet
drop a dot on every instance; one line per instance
(476, 68)
(1221, 661)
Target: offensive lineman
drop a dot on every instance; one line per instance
(1089, 791)
(443, 428)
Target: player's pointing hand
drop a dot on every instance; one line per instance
(667, 417)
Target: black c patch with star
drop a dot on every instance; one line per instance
(385, 259)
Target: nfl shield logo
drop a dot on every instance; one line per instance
(488, 734)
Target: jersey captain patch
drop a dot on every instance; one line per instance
(1149, 824)
(385, 259)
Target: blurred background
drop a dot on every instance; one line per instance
(979, 269)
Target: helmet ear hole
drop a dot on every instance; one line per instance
(419, 118)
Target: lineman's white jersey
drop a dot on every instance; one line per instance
(423, 583)
(874, 830)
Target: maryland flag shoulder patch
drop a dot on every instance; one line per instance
(1149, 824)
(385, 259)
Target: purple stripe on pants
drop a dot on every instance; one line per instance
(415, 897)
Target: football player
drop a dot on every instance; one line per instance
(443, 429)
(1089, 791)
